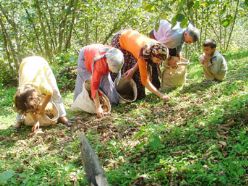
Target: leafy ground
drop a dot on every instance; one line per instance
(198, 138)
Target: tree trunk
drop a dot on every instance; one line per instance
(53, 27)
(35, 32)
(234, 20)
(86, 31)
(68, 39)
(5, 43)
(43, 30)
(10, 51)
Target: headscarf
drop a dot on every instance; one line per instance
(157, 50)
(115, 59)
(154, 50)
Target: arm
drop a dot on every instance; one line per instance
(46, 87)
(129, 73)
(146, 82)
(37, 123)
(95, 82)
(99, 110)
(204, 59)
(44, 104)
(155, 91)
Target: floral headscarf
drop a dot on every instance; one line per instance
(157, 50)
(154, 50)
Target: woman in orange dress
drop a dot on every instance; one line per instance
(142, 56)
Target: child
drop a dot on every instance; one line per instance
(213, 63)
(37, 86)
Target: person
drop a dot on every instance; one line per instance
(142, 56)
(175, 37)
(213, 63)
(95, 62)
(37, 87)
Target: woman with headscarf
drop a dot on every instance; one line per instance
(95, 63)
(145, 54)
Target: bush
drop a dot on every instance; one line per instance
(7, 76)
(65, 69)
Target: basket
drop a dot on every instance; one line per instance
(50, 116)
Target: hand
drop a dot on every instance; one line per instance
(165, 98)
(36, 126)
(205, 60)
(129, 74)
(99, 112)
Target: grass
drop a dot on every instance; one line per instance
(198, 138)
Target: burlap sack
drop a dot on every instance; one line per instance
(127, 90)
(50, 116)
(85, 103)
(174, 77)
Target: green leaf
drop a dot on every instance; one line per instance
(180, 17)
(196, 4)
(157, 25)
(190, 4)
(149, 7)
(5, 176)
(184, 23)
(155, 142)
(246, 2)
(223, 10)
(227, 21)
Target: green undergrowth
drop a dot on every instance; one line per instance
(198, 138)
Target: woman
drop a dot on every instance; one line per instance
(37, 86)
(95, 63)
(145, 54)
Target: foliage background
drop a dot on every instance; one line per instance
(53, 29)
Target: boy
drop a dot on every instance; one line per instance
(213, 63)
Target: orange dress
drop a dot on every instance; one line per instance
(133, 42)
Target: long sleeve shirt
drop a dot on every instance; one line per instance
(35, 70)
(217, 63)
(100, 67)
(171, 37)
(133, 42)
